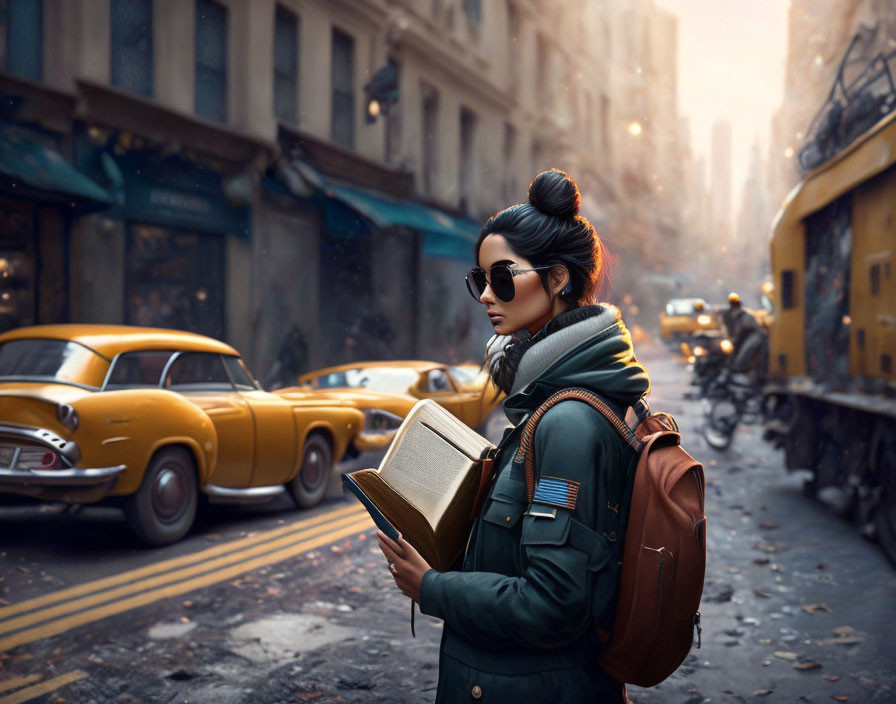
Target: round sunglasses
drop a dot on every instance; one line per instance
(500, 278)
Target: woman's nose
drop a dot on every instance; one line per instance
(487, 296)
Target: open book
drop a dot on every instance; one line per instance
(427, 484)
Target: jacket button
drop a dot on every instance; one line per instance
(477, 692)
(612, 535)
(507, 519)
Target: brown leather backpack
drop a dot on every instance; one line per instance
(664, 548)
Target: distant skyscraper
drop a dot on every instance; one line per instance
(720, 175)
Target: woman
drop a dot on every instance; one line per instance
(520, 616)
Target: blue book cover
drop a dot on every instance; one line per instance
(381, 521)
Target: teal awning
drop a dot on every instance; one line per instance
(444, 235)
(28, 165)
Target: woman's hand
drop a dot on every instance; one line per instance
(406, 564)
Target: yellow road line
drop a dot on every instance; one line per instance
(17, 682)
(155, 568)
(61, 625)
(67, 607)
(37, 690)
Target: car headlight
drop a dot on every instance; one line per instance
(727, 346)
(703, 319)
(699, 351)
(378, 420)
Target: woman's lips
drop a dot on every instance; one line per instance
(494, 317)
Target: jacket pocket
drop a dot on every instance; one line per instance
(503, 512)
(551, 528)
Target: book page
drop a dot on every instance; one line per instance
(458, 433)
(426, 470)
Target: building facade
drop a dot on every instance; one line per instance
(226, 174)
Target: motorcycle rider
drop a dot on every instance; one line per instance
(748, 339)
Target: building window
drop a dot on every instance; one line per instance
(22, 37)
(286, 65)
(536, 156)
(467, 172)
(509, 186)
(430, 137)
(605, 123)
(875, 280)
(514, 45)
(473, 11)
(589, 120)
(393, 121)
(788, 289)
(542, 90)
(211, 60)
(131, 29)
(175, 279)
(342, 121)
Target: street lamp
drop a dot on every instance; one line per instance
(381, 91)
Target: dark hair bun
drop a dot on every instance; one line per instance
(555, 193)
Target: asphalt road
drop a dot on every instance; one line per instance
(268, 604)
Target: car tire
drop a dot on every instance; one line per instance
(163, 509)
(310, 484)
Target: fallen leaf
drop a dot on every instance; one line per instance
(841, 698)
(765, 641)
(761, 561)
(761, 592)
(843, 630)
(785, 655)
(808, 665)
(832, 678)
(768, 526)
(812, 608)
(763, 692)
(842, 640)
(767, 547)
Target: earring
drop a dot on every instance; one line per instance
(566, 290)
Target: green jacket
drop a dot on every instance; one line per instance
(519, 616)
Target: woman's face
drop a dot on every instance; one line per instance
(531, 307)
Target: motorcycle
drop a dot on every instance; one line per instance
(708, 357)
(730, 399)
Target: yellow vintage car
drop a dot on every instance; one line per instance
(149, 418)
(685, 317)
(387, 390)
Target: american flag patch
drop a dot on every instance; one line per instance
(556, 492)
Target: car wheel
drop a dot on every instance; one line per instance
(310, 484)
(164, 507)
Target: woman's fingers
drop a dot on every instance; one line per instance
(396, 547)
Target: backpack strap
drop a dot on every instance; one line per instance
(524, 453)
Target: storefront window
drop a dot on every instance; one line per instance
(16, 265)
(175, 280)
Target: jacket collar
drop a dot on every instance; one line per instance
(545, 352)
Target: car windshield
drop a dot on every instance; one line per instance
(51, 360)
(683, 306)
(465, 374)
(388, 379)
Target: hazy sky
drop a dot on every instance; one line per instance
(731, 56)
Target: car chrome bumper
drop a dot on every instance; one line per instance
(371, 441)
(72, 485)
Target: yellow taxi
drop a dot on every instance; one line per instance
(683, 318)
(151, 418)
(387, 390)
